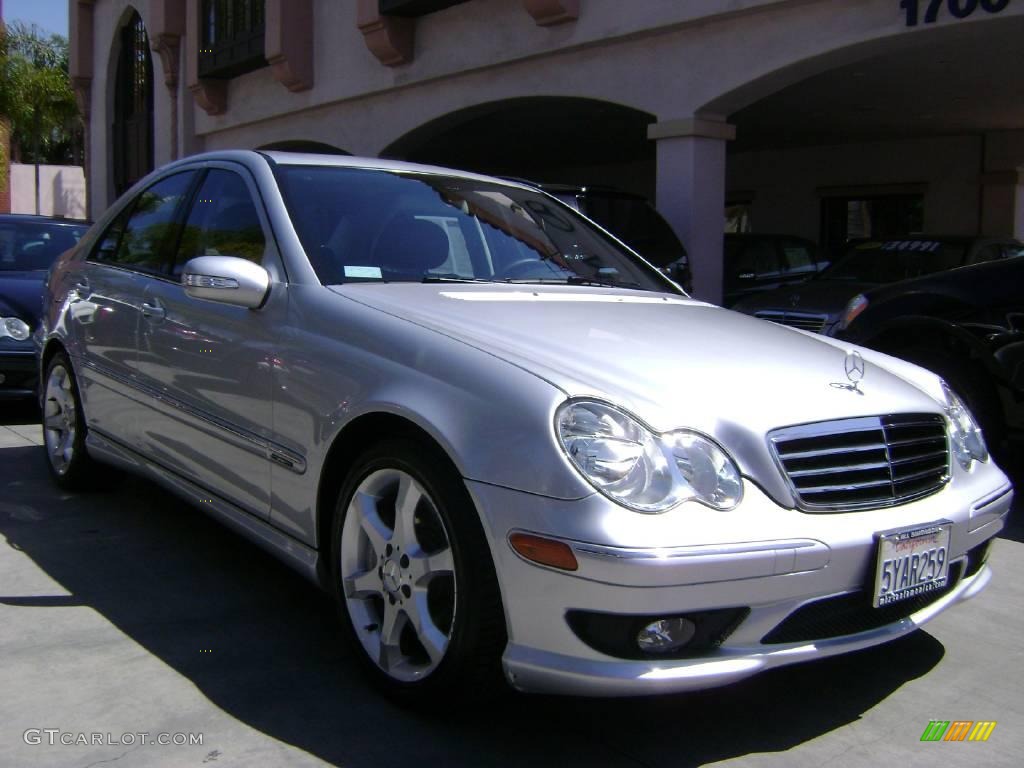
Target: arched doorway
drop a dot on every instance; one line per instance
(132, 148)
(545, 139)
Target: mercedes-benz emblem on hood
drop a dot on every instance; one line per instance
(854, 365)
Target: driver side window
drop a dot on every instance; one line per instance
(223, 222)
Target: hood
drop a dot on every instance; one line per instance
(824, 297)
(672, 361)
(21, 294)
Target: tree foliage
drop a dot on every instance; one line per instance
(36, 98)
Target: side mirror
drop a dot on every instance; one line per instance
(226, 279)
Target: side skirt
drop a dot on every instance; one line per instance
(293, 553)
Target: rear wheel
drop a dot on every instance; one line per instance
(64, 428)
(414, 578)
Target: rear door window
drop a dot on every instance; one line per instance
(142, 237)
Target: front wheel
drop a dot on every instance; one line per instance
(414, 578)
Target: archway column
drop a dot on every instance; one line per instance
(691, 192)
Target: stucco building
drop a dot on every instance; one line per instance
(828, 119)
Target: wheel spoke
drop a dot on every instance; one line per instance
(364, 507)
(424, 567)
(363, 585)
(408, 499)
(54, 422)
(390, 635)
(433, 640)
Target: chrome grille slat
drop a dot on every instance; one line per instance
(812, 489)
(802, 320)
(830, 451)
(933, 454)
(831, 468)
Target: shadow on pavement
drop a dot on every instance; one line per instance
(174, 581)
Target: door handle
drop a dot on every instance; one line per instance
(153, 312)
(82, 286)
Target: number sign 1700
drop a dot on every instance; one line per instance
(959, 9)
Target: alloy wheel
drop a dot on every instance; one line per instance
(398, 575)
(60, 420)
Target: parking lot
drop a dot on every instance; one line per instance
(127, 612)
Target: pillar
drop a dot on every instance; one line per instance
(691, 193)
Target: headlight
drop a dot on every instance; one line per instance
(854, 307)
(14, 327)
(964, 432)
(641, 470)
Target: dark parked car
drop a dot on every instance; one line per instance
(818, 304)
(633, 220)
(28, 246)
(965, 324)
(759, 262)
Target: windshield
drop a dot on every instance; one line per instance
(27, 246)
(892, 260)
(360, 225)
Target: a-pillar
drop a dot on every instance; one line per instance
(691, 193)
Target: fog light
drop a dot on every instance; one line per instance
(665, 635)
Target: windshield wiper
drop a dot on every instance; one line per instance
(453, 279)
(575, 280)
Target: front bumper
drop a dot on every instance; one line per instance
(786, 561)
(18, 373)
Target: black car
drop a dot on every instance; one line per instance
(28, 246)
(756, 262)
(819, 304)
(965, 324)
(632, 219)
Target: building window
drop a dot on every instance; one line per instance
(133, 107)
(414, 7)
(847, 220)
(232, 38)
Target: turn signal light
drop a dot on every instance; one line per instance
(537, 549)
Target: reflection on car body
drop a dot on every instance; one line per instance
(503, 443)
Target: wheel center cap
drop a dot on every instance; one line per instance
(392, 577)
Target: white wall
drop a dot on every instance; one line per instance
(62, 190)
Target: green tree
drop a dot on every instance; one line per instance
(36, 99)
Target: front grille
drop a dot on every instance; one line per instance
(801, 320)
(850, 614)
(875, 461)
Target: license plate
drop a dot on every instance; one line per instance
(911, 563)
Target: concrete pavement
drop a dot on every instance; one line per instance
(127, 611)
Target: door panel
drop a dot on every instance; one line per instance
(207, 364)
(108, 294)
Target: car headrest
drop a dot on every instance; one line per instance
(411, 246)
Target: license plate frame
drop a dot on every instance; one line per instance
(910, 562)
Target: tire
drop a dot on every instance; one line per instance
(413, 578)
(64, 429)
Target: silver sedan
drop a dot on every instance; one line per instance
(507, 446)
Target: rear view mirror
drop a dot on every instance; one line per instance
(226, 279)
